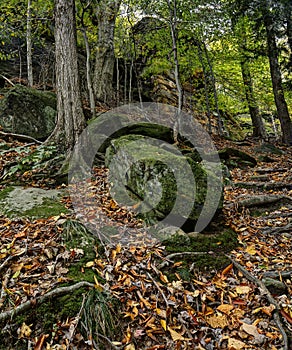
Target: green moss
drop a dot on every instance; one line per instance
(100, 314)
(158, 177)
(215, 246)
(5, 192)
(49, 207)
(76, 235)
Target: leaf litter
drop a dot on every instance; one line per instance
(159, 309)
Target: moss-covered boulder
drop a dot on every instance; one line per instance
(28, 111)
(159, 182)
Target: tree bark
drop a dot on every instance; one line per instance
(70, 120)
(105, 58)
(213, 81)
(288, 17)
(281, 105)
(173, 30)
(88, 65)
(257, 121)
(29, 45)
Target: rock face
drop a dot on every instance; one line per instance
(30, 202)
(28, 111)
(158, 182)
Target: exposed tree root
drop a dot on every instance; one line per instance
(278, 274)
(52, 294)
(270, 170)
(268, 295)
(260, 200)
(274, 230)
(263, 185)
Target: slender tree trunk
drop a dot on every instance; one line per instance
(173, 30)
(70, 120)
(105, 58)
(257, 121)
(29, 45)
(213, 80)
(288, 15)
(88, 74)
(282, 109)
(206, 90)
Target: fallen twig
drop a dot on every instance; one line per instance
(20, 137)
(5, 263)
(173, 255)
(75, 323)
(158, 287)
(268, 295)
(8, 80)
(52, 294)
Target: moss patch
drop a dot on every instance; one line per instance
(215, 246)
(100, 314)
(31, 202)
(48, 208)
(75, 235)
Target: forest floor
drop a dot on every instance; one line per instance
(141, 297)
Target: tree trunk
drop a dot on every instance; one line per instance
(257, 121)
(29, 45)
(105, 57)
(213, 80)
(70, 121)
(282, 109)
(206, 90)
(173, 30)
(88, 74)
(288, 15)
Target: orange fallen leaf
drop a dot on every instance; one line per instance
(225, 308)
(227, 270)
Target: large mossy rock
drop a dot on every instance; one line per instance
(28, 111)
(159, 182)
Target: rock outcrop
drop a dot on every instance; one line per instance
(28, 111)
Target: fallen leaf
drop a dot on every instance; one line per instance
(243, 289)
(217, 321)
(24, 331)
(225, 308)
(175, 335)
(235, 344)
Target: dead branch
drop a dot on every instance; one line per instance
(75, 323)
(158, 287)
(52, 294)
(8, 80)
(5, 263)
(19, 137)
(268, 295)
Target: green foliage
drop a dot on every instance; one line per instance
(13, 25)
(33, 160)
